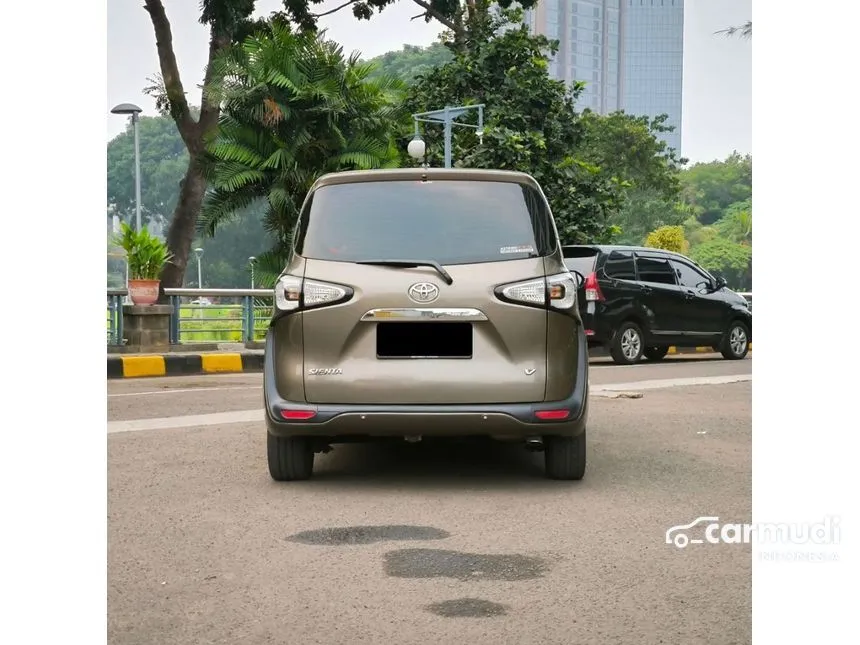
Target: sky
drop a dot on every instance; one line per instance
(717, 94)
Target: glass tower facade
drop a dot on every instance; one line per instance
(629, 54)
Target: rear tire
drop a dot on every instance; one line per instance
(564, 457)
(290, 458)
(656, 353)
(627, 345)
(735, 344)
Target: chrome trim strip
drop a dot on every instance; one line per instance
(424, 314)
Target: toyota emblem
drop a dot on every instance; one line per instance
(423, 292)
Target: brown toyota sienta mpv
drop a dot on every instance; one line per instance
(426, 302)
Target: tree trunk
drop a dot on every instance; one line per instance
(183, 226)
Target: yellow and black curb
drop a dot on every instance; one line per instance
(135, 366)
(695, 350)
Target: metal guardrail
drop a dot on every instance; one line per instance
(240, 316)
(244, 319)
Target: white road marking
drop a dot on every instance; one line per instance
(189, 389)
(257, 414)
(672, 382)
(704, 360)
(187, 421)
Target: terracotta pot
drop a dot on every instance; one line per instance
(143, 292)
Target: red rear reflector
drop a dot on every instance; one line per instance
(589, 332)
(298, 415)
(550, 415)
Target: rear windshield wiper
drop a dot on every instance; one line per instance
(412, 263)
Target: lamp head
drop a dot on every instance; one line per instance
(417, 148)
(126, 108)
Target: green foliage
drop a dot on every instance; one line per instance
(457, 15)
(411, 61)
(630, 147)
(225, 259)
(146, 254)
(697, 233)
(294, 108)
(670, 238)
(718, 196)
(733, 261)
(163, 160)
(710, 188)
(644, 210)
(530, 125)
(736, 224)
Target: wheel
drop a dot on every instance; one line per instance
(564, 457)
(290, 458)
(626, 346)
(735, 343)
(655, 353)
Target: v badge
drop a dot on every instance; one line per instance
(530, 370)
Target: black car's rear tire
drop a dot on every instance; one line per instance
(290, 458)
(656, 353)
(627, 344)
(735, 343)
(564, 457)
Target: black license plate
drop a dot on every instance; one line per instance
(424, 340)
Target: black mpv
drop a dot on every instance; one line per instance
(640, 301)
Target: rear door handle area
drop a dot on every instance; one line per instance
(646, 289)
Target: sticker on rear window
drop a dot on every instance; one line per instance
(524, 248)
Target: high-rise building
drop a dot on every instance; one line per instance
(629, 54)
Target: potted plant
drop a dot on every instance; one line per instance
(146, 256)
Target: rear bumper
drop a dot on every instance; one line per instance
(502, 420)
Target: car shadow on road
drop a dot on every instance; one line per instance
(436, 463)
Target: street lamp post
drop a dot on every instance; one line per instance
(447, 117)
(251, 261)
(199, 253)
(134, 111)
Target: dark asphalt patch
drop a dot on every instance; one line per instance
(467, 608)
(436, 563)
(367, 534)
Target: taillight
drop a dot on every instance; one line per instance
(532, 292)
(293, 293)
(556, 291)
(561, 291)
(298, 415)
(592, 288)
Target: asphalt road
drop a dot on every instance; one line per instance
(429, 543)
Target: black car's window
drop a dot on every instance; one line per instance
(653, 269)
(580, 259)
(690, 277)
(451, 222)
(619, 266)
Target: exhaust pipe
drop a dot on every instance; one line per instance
(534, 444)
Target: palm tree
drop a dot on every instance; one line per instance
(294, 108)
